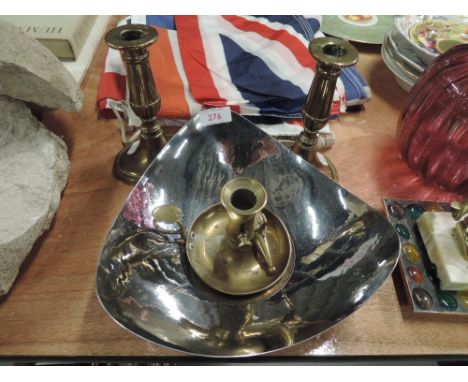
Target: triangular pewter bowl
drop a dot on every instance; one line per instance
(344, 249)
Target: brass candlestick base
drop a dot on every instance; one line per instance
(132, 161)
(132, 41)
(331, 54)
(237, 246)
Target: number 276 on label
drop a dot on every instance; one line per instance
(215, 116)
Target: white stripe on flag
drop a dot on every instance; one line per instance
(138, 19)
(114, 63)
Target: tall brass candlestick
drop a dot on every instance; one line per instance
(132, 41)
(331, 54)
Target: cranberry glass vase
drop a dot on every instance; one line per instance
(432, 131)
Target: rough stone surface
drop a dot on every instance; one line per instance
(34, 169)
(31, 73)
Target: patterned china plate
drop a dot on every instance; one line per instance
(369, 29)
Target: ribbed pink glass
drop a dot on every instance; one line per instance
(432, 130)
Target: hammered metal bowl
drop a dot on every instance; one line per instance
(344, 249)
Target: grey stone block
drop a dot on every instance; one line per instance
(31, 73)
(34, 168)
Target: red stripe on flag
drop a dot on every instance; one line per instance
(112, 86)
(193, 56)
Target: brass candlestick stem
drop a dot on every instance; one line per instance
(331, 54)
(132, 41)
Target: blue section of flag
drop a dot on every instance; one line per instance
(354, 84)
(313, 23)
(162, 21)
(258, 84)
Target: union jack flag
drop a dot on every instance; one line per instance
(257, 65)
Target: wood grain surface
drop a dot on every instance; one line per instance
(52, 309)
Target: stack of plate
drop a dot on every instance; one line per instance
(415, 41)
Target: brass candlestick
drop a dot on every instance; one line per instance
(331, 54)
(132, 41)
(240, 247)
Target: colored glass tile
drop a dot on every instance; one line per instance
(411, 252)
(463, 298)
(415, 274)
(396, 210)
(422, 298)
(414, 211)
(431, 270)
(403, 231)
(447, 300)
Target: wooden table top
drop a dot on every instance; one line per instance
(52, 308)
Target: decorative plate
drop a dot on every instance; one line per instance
(403, 79)
(418, 273)
(404, 51)
(369, 29)
(344, 249)
(430, 36)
